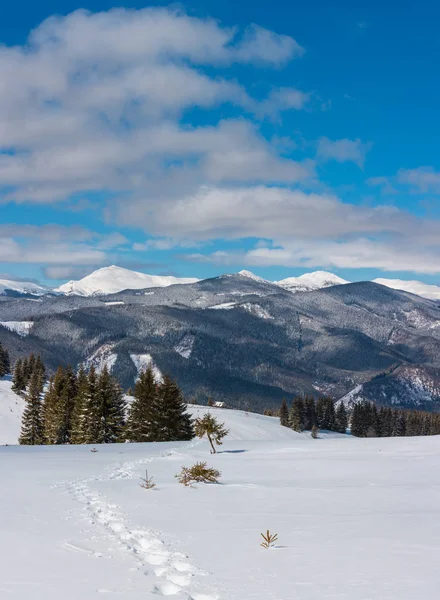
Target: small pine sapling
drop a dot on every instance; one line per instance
(209, 426)
(198, 473)
(147, 482)
(268, 539)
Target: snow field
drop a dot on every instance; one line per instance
(357, 519)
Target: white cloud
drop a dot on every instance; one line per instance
(56, 245)
(84, 104)
(344, 150)
(422, 179)
(328, 254)
(270, 213)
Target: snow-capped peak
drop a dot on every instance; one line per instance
(22, 287)
(311, 281)
(113, 279)
(251, 275)
(419, 288)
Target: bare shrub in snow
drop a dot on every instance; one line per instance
(147, 482)
(268, 539)
(198, 473)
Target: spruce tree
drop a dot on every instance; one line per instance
(90, 421)
(341, 420)
(50, 414)
(142, 422)
(173, 422)
(79, 412)
(284, 414)
(18, 378)
(32, 426)
(111, 409)
(310, 418)
(297, 415)
(5, 365)
(328, 419)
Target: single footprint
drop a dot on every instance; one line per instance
(167, 588)
(181, 579)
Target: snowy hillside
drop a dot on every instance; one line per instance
(11, 410)
(413, 287)
(311, 281)
(113, 279)
(22, 287)
(76, 524)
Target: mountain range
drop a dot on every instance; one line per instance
(114, 279)
(242, 339)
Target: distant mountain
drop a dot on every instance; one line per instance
(251, 275)
(113, 279)
(413, 287)
(9, 287)
(242, 340)
(311, 282)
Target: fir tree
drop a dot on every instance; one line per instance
(297, 415)
(284, 414)
(111, 409)
(90, 420)
(142, 422)
(79, 412)
(310, 419)
(18, 378)
(5, 365)
(341, 419)
(328, 419)
(173, 422)
(50, 417)
(32, 426)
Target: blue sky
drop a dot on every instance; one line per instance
(206, 137)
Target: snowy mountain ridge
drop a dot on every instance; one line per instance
(22, 287)
(113, 279)
(311, 281)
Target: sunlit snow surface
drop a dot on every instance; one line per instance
(356, 519)
(22, 328)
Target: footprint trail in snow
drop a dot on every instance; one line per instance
(174, 573)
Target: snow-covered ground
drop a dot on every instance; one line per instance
(23, 328)
(11, 411)
(357, 519)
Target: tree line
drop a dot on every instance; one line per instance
(308, 414)
(369, 421)
(90, 408)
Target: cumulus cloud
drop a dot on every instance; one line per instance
(344, 150)
(88, 101)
